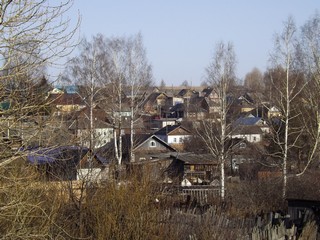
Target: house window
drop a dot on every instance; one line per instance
(104, 133)
(192, 168)
(180, 140)
(174, 139)
(254, 138)
(242, 145)
(152, 144)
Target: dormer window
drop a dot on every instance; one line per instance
(152, 144)
(242, 145)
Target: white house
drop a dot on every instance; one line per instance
(252, 134)
(173, 135)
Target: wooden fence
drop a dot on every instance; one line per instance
(221, 226)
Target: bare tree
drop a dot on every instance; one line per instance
(114, 70)
(139, 77)
(254, 80)
(310, 47)
(289, 88)
(162, 84)
(185, 83)
(214, 133)
(34, 35)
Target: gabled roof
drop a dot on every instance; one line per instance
(153, 96)
(194, 159)
(244, 130)
(97, 113)
(187, 92)
(207, 91)
(139, 140)
(246, 97)
(142, 138)
(171, 129)
(177, 107)
(84, 123)
(40, 156)
(66, 99)
(247, 121)
(67, 89)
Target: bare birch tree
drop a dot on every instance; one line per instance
(214, 132)
(310, 46)
(114, 66)
(288, 89)
(99, 69)
(139, 78)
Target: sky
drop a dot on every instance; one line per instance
(180, 35)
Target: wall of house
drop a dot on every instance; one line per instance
(176, 100)
(177, 139)
(89, 174)
(152, 145)
(253, 138)
(102, 136)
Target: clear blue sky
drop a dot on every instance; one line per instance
(180, 35)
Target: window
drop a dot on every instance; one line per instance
(180, 140)
(174, 139)
(104, 133)
(242, 145)
(152, 144)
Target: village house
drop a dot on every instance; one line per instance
(101, 132)
(154, 103)
(65, 102)
(274, 112)
(251, 120)
(198, 169)
(68, 163)
(252, 134)
(174, 135)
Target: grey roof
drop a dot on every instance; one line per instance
(247, 130)
(247, 121)
(191, 158)
(63, 153)
(168, 129)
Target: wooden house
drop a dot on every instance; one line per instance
(145, 147)
(274, 112)
(67, 163)
(251, 120)
(66, 102)
(174, 135)
(196, 108)
(154, 102)
(196, 168)
(187, 93)
(101, 132)
(252, 134)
